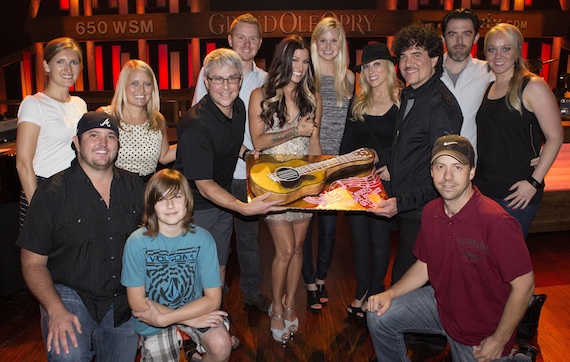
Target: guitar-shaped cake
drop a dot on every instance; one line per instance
(291, 180)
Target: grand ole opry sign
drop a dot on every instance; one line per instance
(357, 23)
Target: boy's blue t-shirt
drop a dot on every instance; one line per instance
(174, 271)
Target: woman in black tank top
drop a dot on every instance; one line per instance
(517, 117)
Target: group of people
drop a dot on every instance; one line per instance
(96, 297)
(470, 279)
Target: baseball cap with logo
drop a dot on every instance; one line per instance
(455, 146)
(98, 119)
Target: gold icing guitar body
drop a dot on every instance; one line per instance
(291, 180)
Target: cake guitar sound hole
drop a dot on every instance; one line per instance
(290, 178)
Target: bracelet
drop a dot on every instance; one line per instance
(537, 185)
(244, 153)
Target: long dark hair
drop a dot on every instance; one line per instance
(280, 72)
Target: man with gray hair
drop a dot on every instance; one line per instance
(210, 139)
(245, 38)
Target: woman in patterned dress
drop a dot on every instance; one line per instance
(142, 128)
(285, 116)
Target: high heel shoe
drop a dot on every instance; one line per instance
(279, 335)
(293, 325)
(322, 294)
(313, 301)
(356, 313)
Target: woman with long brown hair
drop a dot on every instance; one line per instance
(284, 119)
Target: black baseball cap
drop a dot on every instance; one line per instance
(455, 146)
(97, 119)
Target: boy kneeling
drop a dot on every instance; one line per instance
(170, 269)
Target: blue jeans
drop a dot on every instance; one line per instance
(247, 247)
(524, 216)
(371, 250)
(415, 312)
(327, 236)
(101, 340)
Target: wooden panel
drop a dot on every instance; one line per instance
(566, 128)
(554, 211)
(361, 23)
(174, 70)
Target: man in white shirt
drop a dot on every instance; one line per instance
(466, 77)
(245, 39)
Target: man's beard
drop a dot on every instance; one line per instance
(458, 56)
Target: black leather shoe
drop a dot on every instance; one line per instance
(529, 351)
(528, 325)
(260, 301)
(434, 341)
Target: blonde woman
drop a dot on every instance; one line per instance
(335, 83)
(47, 120)
(518, 109)
(284, 118)
(142, 128)
(370, 123)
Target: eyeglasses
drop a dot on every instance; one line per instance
(233, 79)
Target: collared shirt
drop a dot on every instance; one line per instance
(83, 238)
(208, 145)
(471, 258)
(469, 90)
(254, 79)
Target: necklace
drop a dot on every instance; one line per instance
(133, 119)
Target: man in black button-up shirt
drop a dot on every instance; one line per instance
(72, 247)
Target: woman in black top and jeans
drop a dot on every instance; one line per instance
(517, 112)
(370, 123)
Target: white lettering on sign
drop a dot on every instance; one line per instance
(117, 27)
(289, 23)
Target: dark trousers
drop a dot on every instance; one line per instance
(409, 225)
(327, 235)
(371, 249)
(246, 231)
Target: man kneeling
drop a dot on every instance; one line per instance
(474, 255)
